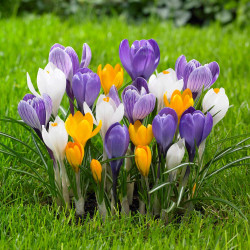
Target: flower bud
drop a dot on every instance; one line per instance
(74, 154)
(139, 134)
(96, 170)
(143, 159)
(175, 154)
(216, 102)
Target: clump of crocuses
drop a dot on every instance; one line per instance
(115, 137)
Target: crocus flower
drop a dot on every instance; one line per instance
(139, 134)
(194, 128)
(216, 102)
(141, 84)
(137, 104)
(164, 82)
(116, 145)
(107, 112)
(56, 138)
(110, 76)
(74, 154)
(179, 102)
(164, 126)
(86, 87)
(143, 158)
(113, 94)
(141, 59)
(50, 81)
(96, 169)
(175, 154)
(35, 111)
(195, 75)
(80, 127)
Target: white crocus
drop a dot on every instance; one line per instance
(164, 82)
(56, 138)
(216, 103)
(51, 81)
(107, 112)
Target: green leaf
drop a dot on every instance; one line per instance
(160, 186)
(180, 166)
(117, 158)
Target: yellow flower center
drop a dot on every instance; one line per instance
(106, 99)
(47, 71)
(217, 90)
(165, 72)
(54, 124)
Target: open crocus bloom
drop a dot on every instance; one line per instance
(50, 81)
(56, 138)
(80, 127)
(195, 75)
(164, 126)
(74, 154)
(216, 102)
(35, 111)
(143, 158)
(194, 128)
(141, 59)
(139, 134)
(106, 112)
(110, 76)
(179, 102)
(137, 104)
(164, 82)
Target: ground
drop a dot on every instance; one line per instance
(28, 220)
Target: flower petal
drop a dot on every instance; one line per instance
(180, 65)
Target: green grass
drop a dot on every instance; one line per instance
(26, 219)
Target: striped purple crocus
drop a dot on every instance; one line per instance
(194, 127)
(141, 59)
(196, 76)
(137, 104)
(35, 111)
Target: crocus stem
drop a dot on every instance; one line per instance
(130, 186)
(79, 193)
(147, 185)
(64, 184)
(71, 105)
(114, 189)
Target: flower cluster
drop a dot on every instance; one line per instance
(115, 135)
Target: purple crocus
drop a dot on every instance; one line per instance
(137, 104)
(113, 94)
(141, 83)
(116, 144)
(164, 126)
(194, 128)
(35, 111)
(195, 76)
(86, 86)
(141, 59)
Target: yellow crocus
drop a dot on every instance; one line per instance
(74, 154)
(110, 76)
(139, 134)
(143, 158)
(179, 102)
(96, 170)
(80, 127)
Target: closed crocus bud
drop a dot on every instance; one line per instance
(164, 126)
(141, 59)
(74, 154)
(56, 138)
(195, 76)
(216, 102)
(164, 82)
(175, 154)
(86, 56)
(137, 104)
(35, 111)
(194, 128)
(116, 145)
(179, 102)
(110, 76)
(143, 159)
(80, 127)
(86, 87)
(139, 134)
(96, 169)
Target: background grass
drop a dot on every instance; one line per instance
(26, 219)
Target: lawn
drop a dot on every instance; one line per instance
(28, 220)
